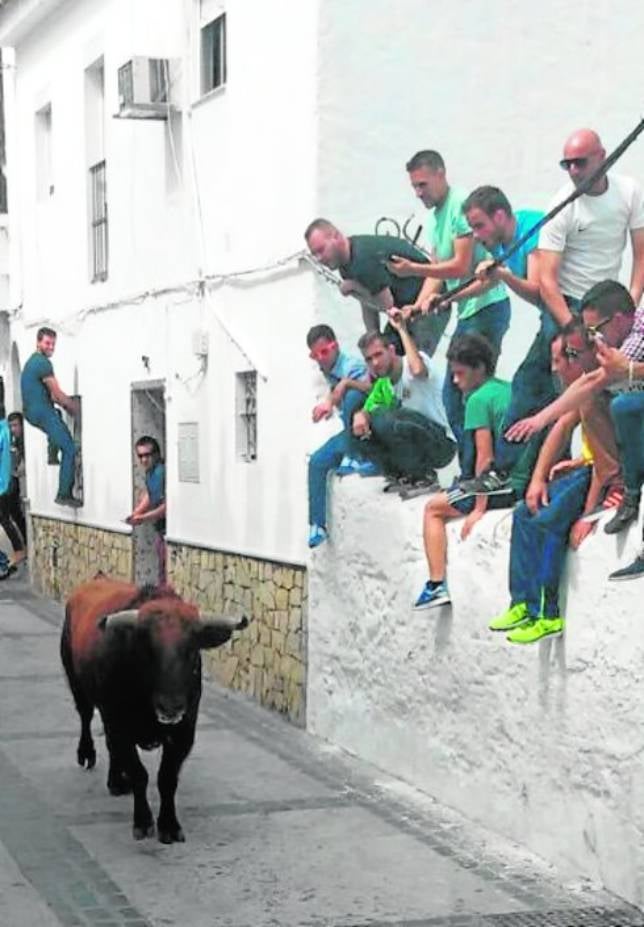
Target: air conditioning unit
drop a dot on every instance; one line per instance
(145, 86)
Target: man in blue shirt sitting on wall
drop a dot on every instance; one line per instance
(348, 383)
(40, 390)
(151, 507)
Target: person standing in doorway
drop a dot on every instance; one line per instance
(12, 517)
(151, 507)
(40, 390)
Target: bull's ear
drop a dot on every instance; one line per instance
(128, 618)
(215, 630)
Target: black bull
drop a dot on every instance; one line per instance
(135, 655)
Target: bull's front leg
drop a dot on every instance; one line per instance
(175, 750)
(125, 757)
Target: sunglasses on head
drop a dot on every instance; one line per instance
(567, 163)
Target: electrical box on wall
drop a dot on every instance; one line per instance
(200, 343)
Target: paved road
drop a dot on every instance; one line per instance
(282, 831)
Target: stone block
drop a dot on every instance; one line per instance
(281, 598)
(295, 596)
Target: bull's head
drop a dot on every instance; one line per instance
(168, 636)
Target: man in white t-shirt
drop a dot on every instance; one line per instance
(585, 243)
(403, 427)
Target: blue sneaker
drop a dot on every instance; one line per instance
(317, 535)
(433, 594)
(347, 466)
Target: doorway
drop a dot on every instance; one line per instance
(148, 418)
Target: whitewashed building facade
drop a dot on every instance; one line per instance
(162, 252)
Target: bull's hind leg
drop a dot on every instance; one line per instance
(174, 753)
(86, 752)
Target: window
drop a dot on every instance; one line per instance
(213, 54)
(44, 171)
(98, 223)
(246, 402)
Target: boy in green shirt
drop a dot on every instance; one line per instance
(472, 362)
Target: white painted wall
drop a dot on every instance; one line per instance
(495, 87)
(541, 743)
(229, 188)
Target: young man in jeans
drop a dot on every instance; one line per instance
(348, 383)
(472, 361)
(410, 439)
(151, 507)
(559, 496)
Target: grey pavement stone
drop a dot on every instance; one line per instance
(282, 831)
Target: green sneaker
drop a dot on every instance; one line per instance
(515, 616)
(535, 629)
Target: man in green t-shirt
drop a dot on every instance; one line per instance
(40, 390)
(472, 362)
(362, 261)
(483, 307)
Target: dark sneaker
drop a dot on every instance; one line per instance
(489, 483)
(71, 501)
(632, 571)
(625, 515)
(422, 487)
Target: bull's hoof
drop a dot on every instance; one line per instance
(171, 834)
(86, 757)
(141, 832)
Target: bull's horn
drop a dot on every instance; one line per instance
(120, 619)
(223, 622)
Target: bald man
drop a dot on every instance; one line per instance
(585, 243)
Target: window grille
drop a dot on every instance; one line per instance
(246, 395)
(98, 223)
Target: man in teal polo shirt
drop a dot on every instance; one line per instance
(40, 390)
(484, 307)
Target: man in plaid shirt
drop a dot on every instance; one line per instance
(622, 374)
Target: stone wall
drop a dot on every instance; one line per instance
(64, 554)
(268, 660)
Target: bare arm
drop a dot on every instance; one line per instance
(637, 273)
(457, 266)
(549, 263)
(58, 396)
(153, 514)
(527, 288)
(417, 366)
(551, 450)
(577, 393)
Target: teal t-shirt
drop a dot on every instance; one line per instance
(518, 263)
(446, 223)
(367, 265)
(35, 394)
(485, 407)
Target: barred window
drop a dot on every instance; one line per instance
(98, 223)
(246, 419)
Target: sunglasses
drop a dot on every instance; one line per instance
(570, 353)
(567, 163)
(593, 330)
(325, 350)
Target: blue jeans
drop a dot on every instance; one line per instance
(48, 420)
(327, 458)
(540, 542)
(627, 413)
(493, 322)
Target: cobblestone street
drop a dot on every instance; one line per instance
(281, 830)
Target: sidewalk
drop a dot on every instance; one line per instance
(282, 831)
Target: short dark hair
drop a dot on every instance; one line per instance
(15, 417)
(149, 441)
(385, 338)
(45, 332)
(319, 225)
(489, 199)
(319, 331)
(473, 350)
(426, 158)
(608, 297)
